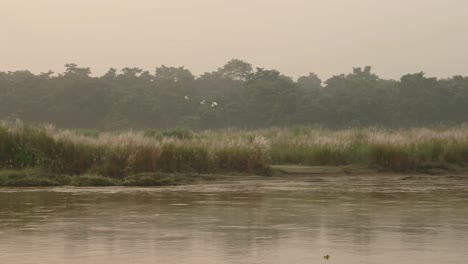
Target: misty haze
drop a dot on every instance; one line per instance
(212, 131)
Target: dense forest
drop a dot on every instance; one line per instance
(236, 95)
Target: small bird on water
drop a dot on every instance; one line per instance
(327, 257)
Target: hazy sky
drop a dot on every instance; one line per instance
(293, 36)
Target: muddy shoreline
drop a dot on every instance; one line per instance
(34, 178)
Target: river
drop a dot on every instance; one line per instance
(351, 219)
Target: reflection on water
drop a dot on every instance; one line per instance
(382, 219)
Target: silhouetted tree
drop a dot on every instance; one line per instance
(247, 98)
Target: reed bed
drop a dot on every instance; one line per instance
(397, 150)
(121, 154)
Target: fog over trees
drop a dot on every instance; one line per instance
(245, 97)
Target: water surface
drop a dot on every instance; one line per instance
(379, 219)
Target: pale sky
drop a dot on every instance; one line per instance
(293, 36)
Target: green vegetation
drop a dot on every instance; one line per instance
(122, 158)
(46, 156)
(247, 98)
(37, 178)
(172, 111)
(396, 150)
(29, 178)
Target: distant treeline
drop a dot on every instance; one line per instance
(244, 97)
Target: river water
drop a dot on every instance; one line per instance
(365, 219)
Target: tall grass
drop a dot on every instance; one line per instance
(398, 150)
(127, 153)
(121, 154)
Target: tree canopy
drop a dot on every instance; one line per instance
(235, 95)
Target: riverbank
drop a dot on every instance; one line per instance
(36, 178)
(115, 157)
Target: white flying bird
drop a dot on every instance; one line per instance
(202, 102)
(214, 104)
(186, 97)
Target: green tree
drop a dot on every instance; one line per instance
(236, 70)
